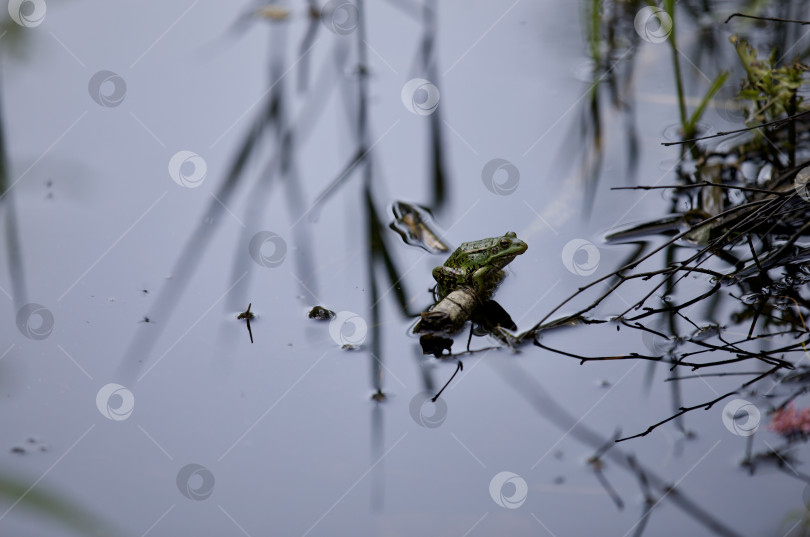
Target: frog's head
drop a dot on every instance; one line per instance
(504, 249)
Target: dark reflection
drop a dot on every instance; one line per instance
(377, 456)
(611, 44)
(306, 44)
(19, 290)
(428, 66)
(270, 128)
(654, 488)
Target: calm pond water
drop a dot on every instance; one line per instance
(139, 228)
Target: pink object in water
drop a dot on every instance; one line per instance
(789, 421)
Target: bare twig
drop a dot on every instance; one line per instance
(705, 406)
(737, 131)
(770, 19)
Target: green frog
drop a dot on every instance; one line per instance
(478, 265)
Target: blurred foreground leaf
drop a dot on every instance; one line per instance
(56, 507)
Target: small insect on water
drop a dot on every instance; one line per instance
(247, 315)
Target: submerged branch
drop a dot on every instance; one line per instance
(705, 406)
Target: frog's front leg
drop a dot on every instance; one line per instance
(481, 278)
(485, 279)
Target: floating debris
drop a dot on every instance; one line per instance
(273, 12)
(32, 445)
(319, 313)
(247, 315)
(413, 224)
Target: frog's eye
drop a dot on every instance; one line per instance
(504, 243)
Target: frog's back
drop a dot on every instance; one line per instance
(460, 256)
(455, 256)
(473, 254)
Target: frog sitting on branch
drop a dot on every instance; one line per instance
(464, 287)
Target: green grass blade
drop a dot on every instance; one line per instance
(698, 112)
